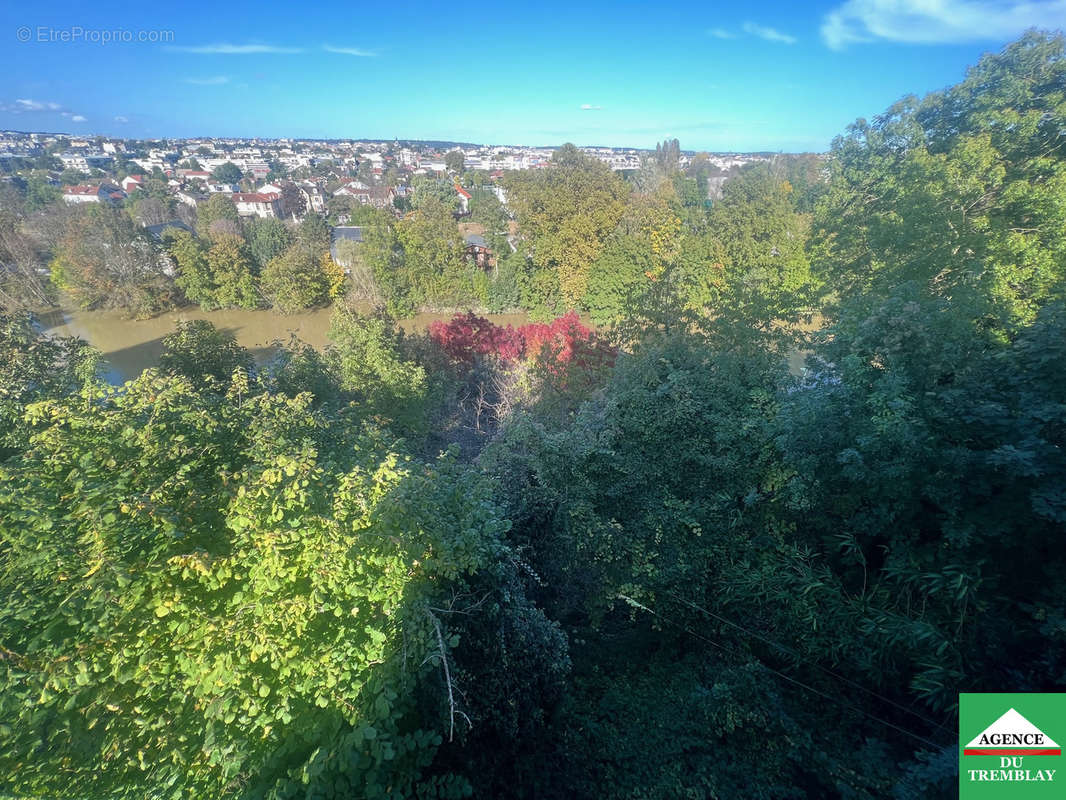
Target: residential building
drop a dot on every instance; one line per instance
(477, 250)
(131, 182)
(464, 200)
(341, 233)
(377, 196)
(100, 193)
(257, 204)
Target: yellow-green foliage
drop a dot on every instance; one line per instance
(222, 596)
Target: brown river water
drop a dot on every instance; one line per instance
(131, 345)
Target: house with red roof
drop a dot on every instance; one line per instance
(131, 182)
(101, 193)
(376, 196)
(464, 199)
(258, 204)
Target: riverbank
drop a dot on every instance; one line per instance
(132, 345)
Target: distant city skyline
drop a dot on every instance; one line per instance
(764, 77)
(403, 141)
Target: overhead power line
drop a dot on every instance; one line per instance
(783, 676)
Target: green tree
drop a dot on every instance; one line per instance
(218, 207)
(383, 260)
(618, 277)
(230, 267)
(565, 213)
(227, 173)
(434, 273)
(267, 239)
(295, 280)
(189, 255)
(34, 368)
(213, 275)
(369, 358)
(293, 200)
(486, 209)
(668, 154)
(200, 352)
(40, 193)
(104, 260)
(763, 238)
(22, 284)
(228, 596)
(454, 161)
(313, 234)
(957, 192)
(433, 193)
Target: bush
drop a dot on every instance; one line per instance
(199, 351)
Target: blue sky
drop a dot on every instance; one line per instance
(740, 76)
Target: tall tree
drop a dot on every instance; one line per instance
(565, 213)
(219, 206)
(103, 260)
(214, 275)
(295, 280)
(267, 239)
(763, 238)
(957, 192)
(22, 284)
(454, 161)
(230, 595)
(227, 173)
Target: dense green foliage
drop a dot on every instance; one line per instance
(102, 260)
(295, 280)
(237, 598)
(33, 368)
(200, 352)
(566, 212)
(960, 192)
(500, 563)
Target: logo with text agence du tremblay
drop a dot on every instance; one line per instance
(1008, 745)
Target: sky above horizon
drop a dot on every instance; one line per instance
(778, 76)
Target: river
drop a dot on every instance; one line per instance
(131, 345)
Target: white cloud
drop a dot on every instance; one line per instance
(122, 119)
(225, 48)
(349, 51)
(769, 34)
(36, 105)
(213, 81)
(590, 107)
(938, 21)
(28, 106)
(721, 33)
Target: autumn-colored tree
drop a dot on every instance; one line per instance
(104, 260)
(565, 213)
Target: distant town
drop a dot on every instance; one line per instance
(287, 178)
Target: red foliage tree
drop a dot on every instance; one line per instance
(564, 341)
(468, 336)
